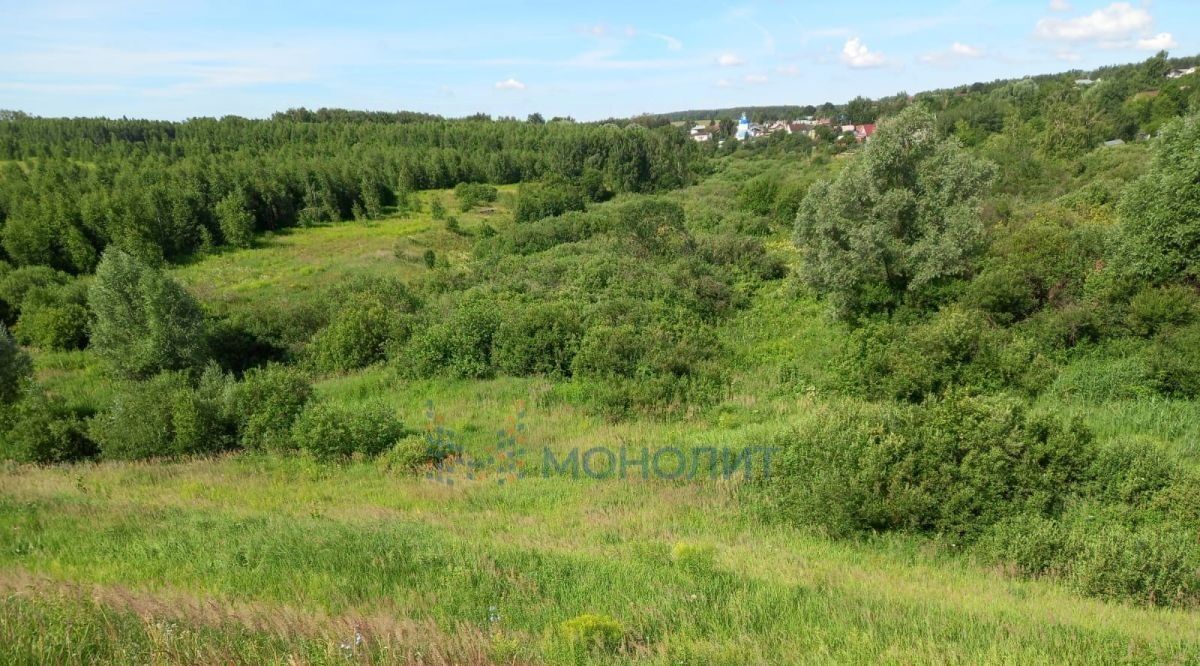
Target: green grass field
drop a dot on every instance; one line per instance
(262, 559)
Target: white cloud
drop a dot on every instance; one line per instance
(788, 70)
(857, 55)
(1159, 42)
(724, 83)
(957, 51)
(510, 84)
(756, 79)
(730, 60)
(672, 43)
(1060, 6)
(1118, 21)
(965, 50)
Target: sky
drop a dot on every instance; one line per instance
(173, 59)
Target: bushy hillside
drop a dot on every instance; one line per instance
(388, 387)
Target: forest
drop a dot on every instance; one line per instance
(972, 342)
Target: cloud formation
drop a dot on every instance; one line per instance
(510, 84)
(1116, 22)
(857, 55)
(957, 51)
(730, 60)
(1159, 42)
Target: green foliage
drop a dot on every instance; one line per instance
(758, 195)
(470, 195)
(15, 284)
(55, 327)
(266, 403)
(1174, 362)
(902, 217)
(235, 220)
(165, 416)
(412, 453)
(540, 200)
(1159, 237)
(692, 557)
(459, 346)
(1155, 309)
(437, 209)
(145, 322)
(328, 431)
(538, 339)
(41, 429)
(370, 320)
(593, 632)
(16, 368)
(948, 467)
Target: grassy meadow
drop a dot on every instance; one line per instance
(260, 558)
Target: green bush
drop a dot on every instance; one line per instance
(53, 327)
(459, 346)
(165, 416)
(538, 339)
(470, 195)
(593, 632)
(236, 221)
(16, 283)
(359, 335)
(758, 195)
(266, 403)
(954, 467)
(40, 429)
(16, 368)
(1174, 362)
(955, 348)
(411, 453)
(536, 201)
(327, 430)
(1155, 309)
(145, 322)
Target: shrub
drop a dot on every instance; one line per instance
(16, 283)
(165, 416)
(1159, 236)
(953, 467)
(1174, 362)
(758, 194)
(145, 322)
(536, 201)
(42, 430)
(459, 346)
(327, 430)
(236, 220)
(470, 195)
(54, 327)
(593, 632)
(429, 258)
(538, 339)
(266, 403)
(16, 368)
(411, 453)
(437, 209)
(1155, 309)
(359, 335)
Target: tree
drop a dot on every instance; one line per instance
(145, 322)
(236, 221)
(901, 217)
(1159, 237)
(536, 119)
(16, 367)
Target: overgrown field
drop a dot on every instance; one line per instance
(274, 392)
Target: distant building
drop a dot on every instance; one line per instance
(1084, 82)
(701, 133)
(864, 132)
(743, 128)
(1180, 73)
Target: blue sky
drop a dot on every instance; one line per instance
(176, 60)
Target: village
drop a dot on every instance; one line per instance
(808, 126)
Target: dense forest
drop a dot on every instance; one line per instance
(992, 247)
